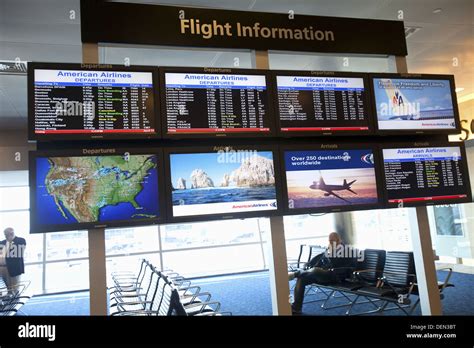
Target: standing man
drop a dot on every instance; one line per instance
(12, 265)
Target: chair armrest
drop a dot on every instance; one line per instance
(122, 304)
(368, 270)
(187, 289)
(360, 274)
(203, 306)
(446, 280)
(398, 273)
(171, 274)
(197, 296)
(398, 290)
(135, 312)
(342, 268)
(130, 289)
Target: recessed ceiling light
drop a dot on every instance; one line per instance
(459, 89)
(438, 10)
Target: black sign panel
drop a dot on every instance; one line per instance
(322, 103)
(216, 102)
(180, 26)
(421, 175)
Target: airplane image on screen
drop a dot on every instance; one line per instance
(403, 109)
(329, 189)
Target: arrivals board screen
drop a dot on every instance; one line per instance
(101, 188)
(324, 103)
(421, 175)
(209, 183)
(223, 103)
(415, 104)
(319, 180)
(68, 101)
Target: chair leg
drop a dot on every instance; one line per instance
(316, 292)
(325, 307)
(348, 312)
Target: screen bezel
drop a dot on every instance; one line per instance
(465, 169)
(221, 216)
(414, 131)
(270, 114)
(330, 147)
(36, 228)
(367, 103)
(156, 122)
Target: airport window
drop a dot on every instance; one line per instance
(67, 276)
(451, 233)
(131, 240)
(382, 229)
(307, 230)
(14, 198)
(66, 245)
(215, 260)
(209, 233)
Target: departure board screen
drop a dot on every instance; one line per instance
(87, 102)
(201, 103)
(425, 174)
(322, 104)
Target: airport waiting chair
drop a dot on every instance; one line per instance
(3, 287)
(166, 301)
(128, 278)
(395, 286)
(142, 301)
(135, 292)
(366, 272)
(442, 285)
(14, 298)
(304, 256)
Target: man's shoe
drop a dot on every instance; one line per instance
(295, 311)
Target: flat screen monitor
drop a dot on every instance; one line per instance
(216, 103)
(73, 101)
(94, 188)
(426, 174)
(322, 103)
(221, 182)
(329, 177)
(415, 104)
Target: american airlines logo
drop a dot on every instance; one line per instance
(369, 158)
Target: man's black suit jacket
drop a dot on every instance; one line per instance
(14, 259)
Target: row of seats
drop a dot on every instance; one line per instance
(384, 279)
(12, 299)
(153, 292)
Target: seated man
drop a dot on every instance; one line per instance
(320, 270)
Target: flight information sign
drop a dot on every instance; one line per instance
(85, 102)
(322, 104)
(210, 103)
(425, 174)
